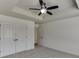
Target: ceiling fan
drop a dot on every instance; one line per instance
(44, 9)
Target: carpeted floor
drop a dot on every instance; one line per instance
(42, 52)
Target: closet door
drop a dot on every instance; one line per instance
(20, 37)
(8, 46)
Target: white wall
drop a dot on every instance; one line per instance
(61, 35)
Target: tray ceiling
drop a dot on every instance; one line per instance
(64, 7)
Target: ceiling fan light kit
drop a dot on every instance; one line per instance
(44, 9)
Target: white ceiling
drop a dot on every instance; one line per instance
(19, 8)
(31, 3)
(7, 5)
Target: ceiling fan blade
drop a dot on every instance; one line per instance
(52, 7)
(39, 13)
(41, 2)
(34, 9)
(49, 13)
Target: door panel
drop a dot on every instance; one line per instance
(8, 46)
(20, 37)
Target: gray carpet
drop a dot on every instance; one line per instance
(42, 52)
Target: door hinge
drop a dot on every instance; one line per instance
(0, 24)
(0, 38)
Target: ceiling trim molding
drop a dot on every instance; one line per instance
(26, 12)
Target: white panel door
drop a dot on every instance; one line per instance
(20, 37)
(7, 46)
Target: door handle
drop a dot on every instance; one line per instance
(15, 40)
